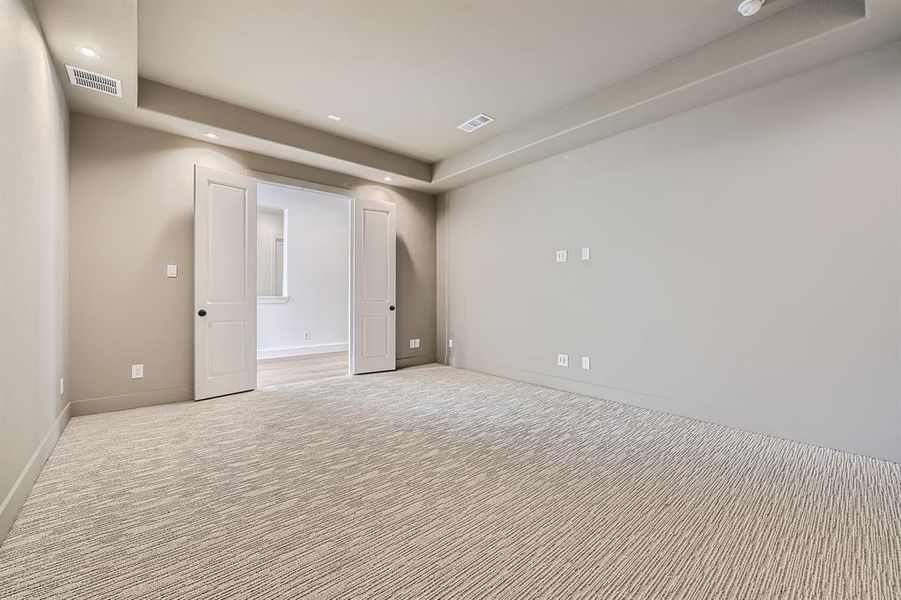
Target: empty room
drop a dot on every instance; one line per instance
(450, 299)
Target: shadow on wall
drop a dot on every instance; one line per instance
(180, 288)
(418, 321)
(405, 265)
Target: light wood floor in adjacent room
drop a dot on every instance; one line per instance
(293, 369)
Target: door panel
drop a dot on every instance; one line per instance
(225, 211)
(376, 268)
(374, 287)
(226, 347)
(228, 241)
(375, 336)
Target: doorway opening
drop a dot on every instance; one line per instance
(350, 308)
(303, 284)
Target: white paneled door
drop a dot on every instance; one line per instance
(374, 314)
(225, 297)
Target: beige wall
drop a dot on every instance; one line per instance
(132, 196)
(33, 238)
(745, 265)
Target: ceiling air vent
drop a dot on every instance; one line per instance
(94, 81)
(474, 123)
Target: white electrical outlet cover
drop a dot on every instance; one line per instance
(586, 362)
(171, 271)
(450, 343)
(412, 343)
(561, 255)
(562, 360)
(137, 371)
(586, 253)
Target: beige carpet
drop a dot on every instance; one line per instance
(440, 483)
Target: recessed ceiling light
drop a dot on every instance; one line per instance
(210, 135)
(89, 52)
(387, 179)
(335, 117)
(750, 7)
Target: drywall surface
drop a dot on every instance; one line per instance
(33, 239)
(745, 262)
(314, 319)
(132, 198)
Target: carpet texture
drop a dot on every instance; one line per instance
(441, 483)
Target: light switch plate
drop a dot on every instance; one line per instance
(563, 360)
(171, 271)
(586, 253)
(414, 343)
(586, 362)
(62, 386)
(450, 343)
(561, 255)
(137, 371)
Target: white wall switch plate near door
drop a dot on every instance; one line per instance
(137, 371)
(586, 253)
(450, 343)
(586, 362)
(171, 271)
(561, 255)
(563, 360)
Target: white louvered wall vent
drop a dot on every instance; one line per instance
(94, 81)
(474, 123)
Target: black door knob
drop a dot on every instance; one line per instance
(390, 308)
(201, 312)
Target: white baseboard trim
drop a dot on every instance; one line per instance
(414, 361)
(301, 350)
(14, 500)
(92, 406)
(766, 424)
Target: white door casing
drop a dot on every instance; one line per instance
(225, 296)
(374, 297)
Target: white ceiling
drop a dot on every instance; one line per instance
(557, 75)
(404, 74)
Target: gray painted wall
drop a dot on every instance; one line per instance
(33, 238)
(132, 200)
(745, 262)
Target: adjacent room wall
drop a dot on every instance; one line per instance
(132, 198)
(745, 262)
(33, 238)
(318, 265)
